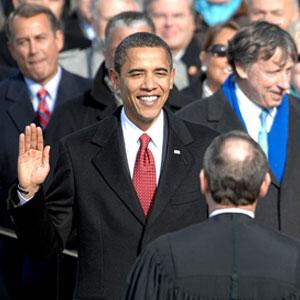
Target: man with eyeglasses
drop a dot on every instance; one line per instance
(255, 99)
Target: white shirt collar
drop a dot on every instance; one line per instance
(51, 87)
(132, 133)
(250, 112)
(232, 210)
(206, 91)
(179, 55)
(135, 132)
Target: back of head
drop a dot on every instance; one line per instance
(140, 40)
(235, 167)
(259, 40)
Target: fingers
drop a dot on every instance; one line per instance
(46, 155)
(40, 139)
(33, 138)
(21, 143)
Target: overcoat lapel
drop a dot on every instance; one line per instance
(221, 113)
(218, 107)
(111, 163)
(21, 112)
(291, 207)
(176, 167)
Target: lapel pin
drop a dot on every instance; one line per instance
(178, 152)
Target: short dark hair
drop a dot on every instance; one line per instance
(31, 10)
(128, 19)
(213, 31)
(259, 40)
(230, 180)
(140, 40)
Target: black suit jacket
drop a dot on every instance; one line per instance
(92, 188)
(16, 112)
(280, 209)
(226, 257)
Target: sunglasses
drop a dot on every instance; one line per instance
(218, 50)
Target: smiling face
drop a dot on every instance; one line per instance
(266, 81)
(144, 81)
(218, 68)
(279, 12)
(108, 9)
(174, 22)
(35, 47)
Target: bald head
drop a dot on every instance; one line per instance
(279, 12)
(235, 167)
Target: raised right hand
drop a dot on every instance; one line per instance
(33, 160)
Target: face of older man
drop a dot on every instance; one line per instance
(108, 9)
(266, 81)
(174, 22)
(279, 12)
(35, 47)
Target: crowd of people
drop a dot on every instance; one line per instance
(141, 135)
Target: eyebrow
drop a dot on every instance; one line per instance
(142, 70)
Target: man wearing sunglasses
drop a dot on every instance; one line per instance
(254, 99)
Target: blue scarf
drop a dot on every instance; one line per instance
(278, 135)
(217, 13)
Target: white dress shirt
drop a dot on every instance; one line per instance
(251, 114)
(51, 87)
(232, 210)
(132, 135)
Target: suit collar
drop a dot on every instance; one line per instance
(21, 111)
(111, 163)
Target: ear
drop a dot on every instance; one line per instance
(115, 78)
(173, 72)
(264, 186)
(241, 71)
(203, 182)
(203, 57)
(59, 37)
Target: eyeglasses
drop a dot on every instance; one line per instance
(218, 50)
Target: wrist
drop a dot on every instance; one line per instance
(27, 193)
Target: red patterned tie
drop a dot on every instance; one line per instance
(43, 110)
(144, 178)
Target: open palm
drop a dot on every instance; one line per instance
(33, 160)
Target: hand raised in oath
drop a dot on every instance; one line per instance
(33, 160)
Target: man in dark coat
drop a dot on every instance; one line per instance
(227, 256)
(94, 185)
(35, 39)
(262, 56)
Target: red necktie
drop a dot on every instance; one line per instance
(43, 109)
(144, 178)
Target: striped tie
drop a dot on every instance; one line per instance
(43, 109)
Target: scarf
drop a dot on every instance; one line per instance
(278, 135)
